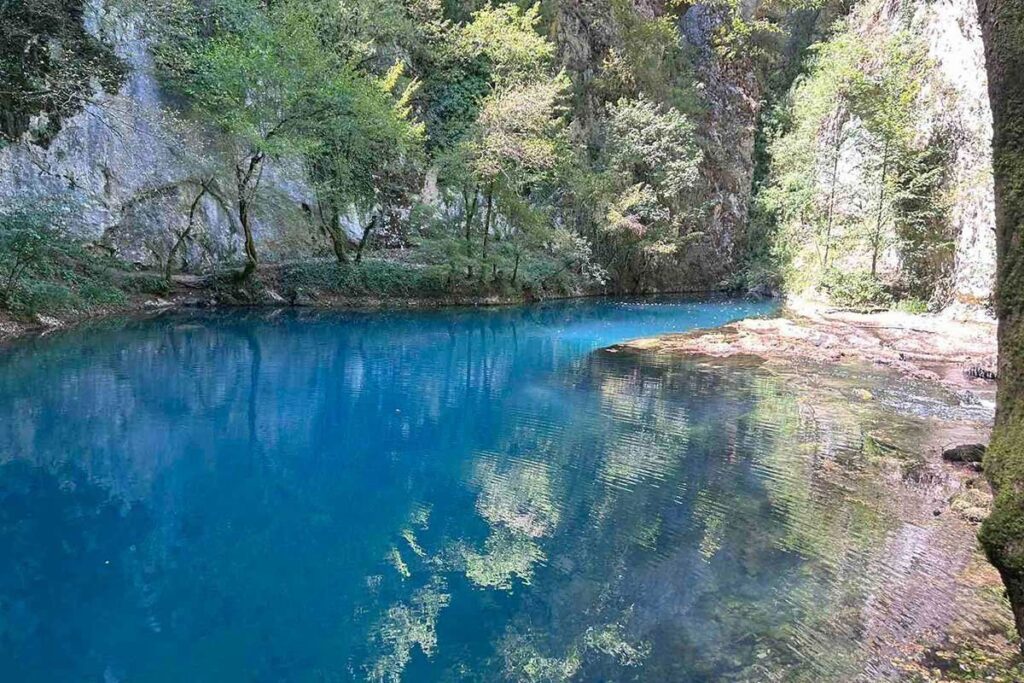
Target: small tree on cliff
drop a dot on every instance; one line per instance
(513, 145)
(367, 155)
(50, 66)
(504, 123)
(263, 78)
(651, 165)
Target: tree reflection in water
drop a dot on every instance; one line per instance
(452, 496)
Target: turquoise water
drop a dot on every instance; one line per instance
(467, 495)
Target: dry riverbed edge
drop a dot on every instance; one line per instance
(961, 356)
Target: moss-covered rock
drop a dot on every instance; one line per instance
(1002, 534)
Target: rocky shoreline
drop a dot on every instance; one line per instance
(12, 328)
(960, 355)
(824, 355)
(204, 292)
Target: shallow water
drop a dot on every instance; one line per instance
(451, 496)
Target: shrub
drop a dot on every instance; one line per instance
(368, 278)
(912, 305)
(858, 290)
(145, 283)
(42, 270)
(42, 297)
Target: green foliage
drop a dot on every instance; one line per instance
(505, 37)
(645, 58)
(651, 164)
(754, 35)
(857, 290)
(912, 305)
(850, 186)
(368, 153)
(50, 66)
(374, 94)
(370, 278)
(265, 76)
(262, 76)
(923, 233)
(147, 283)
(516, 135)
(42, 271)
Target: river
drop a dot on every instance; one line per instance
(458, 495)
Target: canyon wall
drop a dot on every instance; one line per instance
(133, 171)
(957, 93)
(128, 169)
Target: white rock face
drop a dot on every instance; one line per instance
(958, 106)
(130, 166)
(953, 34)
(951, 31)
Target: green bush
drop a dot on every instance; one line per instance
(857, 290)
(99, 293)
(145, 283)
(368, 278)
(756, 277)
(42, 270)
(42, 297)
(912, 305)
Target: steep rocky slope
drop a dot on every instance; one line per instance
(136, 171)
(951, 31)
(129, 167)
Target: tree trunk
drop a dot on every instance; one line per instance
(367, 233)
(247, 177)
(251, 258)
(187, 232)
(1002, 534)
(470, 209)
(837, 148)
(876, 243)
(487, 223)
(339, 242)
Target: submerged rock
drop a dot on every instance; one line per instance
(964, 453)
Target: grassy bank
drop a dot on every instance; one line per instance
(49, 280)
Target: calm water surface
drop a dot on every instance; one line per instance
(438, 496)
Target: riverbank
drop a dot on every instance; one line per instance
(960, 355)
(372, 284)
(824, 356)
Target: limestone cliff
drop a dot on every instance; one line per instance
(129, 168)
(136, 171)
(952, 33)
(951, 117)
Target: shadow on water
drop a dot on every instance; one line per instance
(457, 495)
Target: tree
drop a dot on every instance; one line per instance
(49, 65)
(513, 145)
(507, 140)
(848, 168)
(651, 167)
(506, 38)
(264, 79)
(888, 101)
(1002, 534)
(806, 192)
(367, 155)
